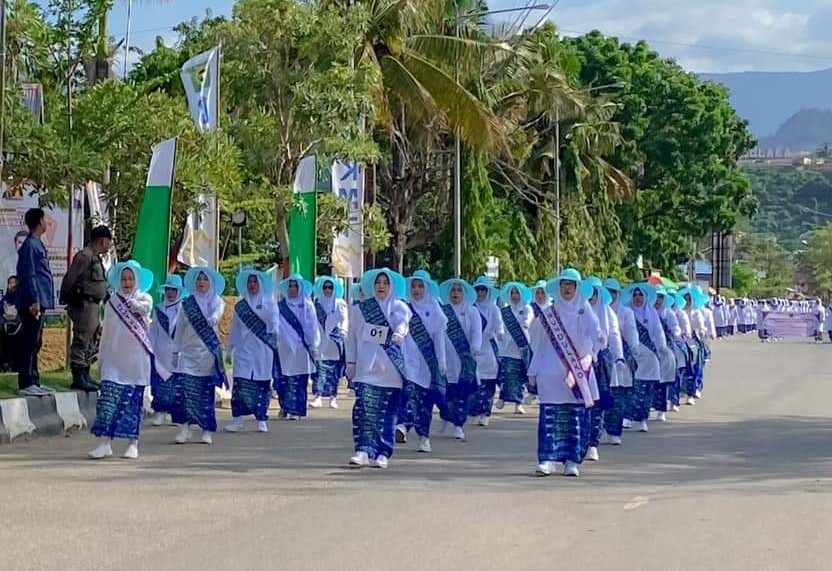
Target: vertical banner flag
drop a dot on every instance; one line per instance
(302, 228)
(99, 215)
(348, 248)
(152, 241)
(201, 78)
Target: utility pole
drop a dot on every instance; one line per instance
(2, 87)
(557, 191)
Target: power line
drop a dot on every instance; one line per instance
(707, 47)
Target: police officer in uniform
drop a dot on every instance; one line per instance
(83, 289)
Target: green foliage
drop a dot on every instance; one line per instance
(819, 256)
(743, 279)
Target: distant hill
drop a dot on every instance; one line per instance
(768, 99)
(806, 130)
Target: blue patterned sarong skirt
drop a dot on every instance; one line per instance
(329, 374)
(559, 430)
(250, 398)
(416, 409)
(118, 411)
(164, 393)
(614, 416)
(455, 410)
(513, 380)
(642, 399)
(661, 394)
(292, 393)
(374, 417)
(195, 402)
(603, 373)
(482, 400)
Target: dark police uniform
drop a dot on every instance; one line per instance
(83, 289)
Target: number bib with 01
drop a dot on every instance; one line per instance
(376, 334)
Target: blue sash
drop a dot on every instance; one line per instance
(644, 337)
(208, 337)
(163, 321)
(372, 313)
(492, 341)
(424, 342)
(468, 374)
(536, 309)
(321, 313)
(517, 335)
(289, 316)
(257, 326)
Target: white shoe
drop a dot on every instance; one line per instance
(401, 434)
(571, 469)
(158, 419)
(528, 399)
(207, 437)
(235, 426)
(262, 426)
(627, 423)
(316, 403)
(424, 445)
(132, 451)
(691, 401)
(615, 440)
(592, 454)
(698, 394)
(292, 417)
(458, 433)
(359, 460)
(381, 462)
(544, 469)
(662, 417)
(675, 408)
(104, 450)
(333, 403)
(643, 426)
(518, 409)
(499, 404)
(484, 420)
(605, 437)
(184, 435)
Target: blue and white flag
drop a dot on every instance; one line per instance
(201, 78)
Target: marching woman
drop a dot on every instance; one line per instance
(641, 298)
(621, 384)
(463, 343)
(297, 345)
(127, 360)
(562, 342)
(668, 361)
(252, 344)
(197, 355)
(333, 320)
(608, 352)
(488, 367)
(699, 332)
(541, 298)
(375, 363)
(425, 365)
(161, 333)
(515, 354)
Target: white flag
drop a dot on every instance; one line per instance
(201, 78)
(100, 215)
(348, 248)
(199, 243)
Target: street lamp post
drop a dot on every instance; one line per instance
(458, 144)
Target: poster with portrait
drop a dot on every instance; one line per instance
(15, 200)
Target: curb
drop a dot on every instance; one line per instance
(52, 415)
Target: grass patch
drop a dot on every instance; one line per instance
(58, 380)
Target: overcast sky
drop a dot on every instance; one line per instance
(703, 35)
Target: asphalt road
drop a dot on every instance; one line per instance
(741, 481)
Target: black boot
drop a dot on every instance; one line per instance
(79, 381)
(90, 381)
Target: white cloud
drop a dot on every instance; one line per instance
(710, 35)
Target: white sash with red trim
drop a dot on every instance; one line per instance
(135, 325)
(577, 377)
